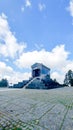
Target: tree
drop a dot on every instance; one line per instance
(69, 78)
(4, 83)
(71, 82)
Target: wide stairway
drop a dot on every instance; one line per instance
(35, 83)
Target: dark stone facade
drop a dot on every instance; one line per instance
(40, 70)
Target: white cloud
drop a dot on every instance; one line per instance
(57, 60)
(5, 69)
(70, 7)
(41, 6)
(58, 76)
(9, 47)
(27, 3)
(18, 77)
(68, 66)
(11, 75)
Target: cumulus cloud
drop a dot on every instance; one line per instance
(18, 77)
(9, 46)
(11, 75)
(59, 76)
(5, 69)
(41, 6)
(57, 60)
(68, 66)
(70, 7)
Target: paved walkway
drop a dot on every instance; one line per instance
(36, 109)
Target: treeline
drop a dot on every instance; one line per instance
(4, 83)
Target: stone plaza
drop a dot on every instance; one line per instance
(22, 109)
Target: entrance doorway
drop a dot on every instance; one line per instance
(36, 72)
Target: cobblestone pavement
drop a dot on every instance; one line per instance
(36, 109)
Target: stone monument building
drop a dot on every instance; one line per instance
(40, 70)
(41, 78)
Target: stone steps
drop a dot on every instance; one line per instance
(36, 84)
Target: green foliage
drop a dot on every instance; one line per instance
(69, 78)
(4, 83)
(17, 128)
(71, 81)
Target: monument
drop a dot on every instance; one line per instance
(40, 70)
(41, 78)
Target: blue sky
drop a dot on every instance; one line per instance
(35, 31)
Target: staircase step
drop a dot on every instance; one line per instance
(36, 84)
